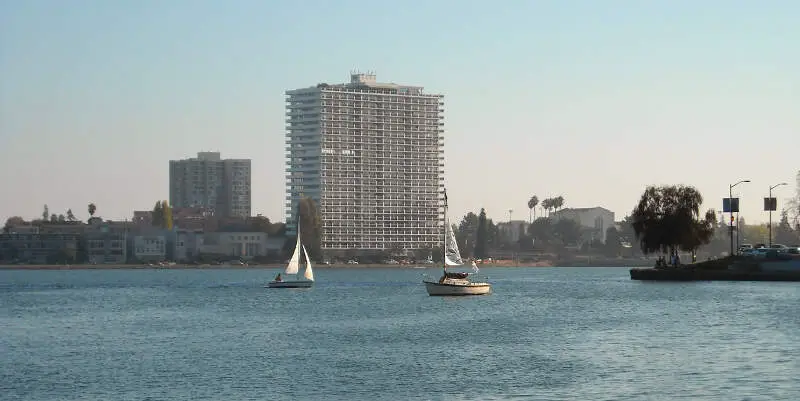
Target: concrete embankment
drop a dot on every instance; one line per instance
(715, 270)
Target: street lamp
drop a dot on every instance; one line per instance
(730, 199)
(770, 210)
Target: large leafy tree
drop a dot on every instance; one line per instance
(481, 237)
(541, 231)
(158, 216)
(784, 234)
(567, 231)
(310, 227)
(11, 222)
(613, 245)
(667, 219)
(466, 234)
(793, 205)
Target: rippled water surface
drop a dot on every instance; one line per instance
(374, 334)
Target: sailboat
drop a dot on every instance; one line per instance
(293, 268)
(454, 283)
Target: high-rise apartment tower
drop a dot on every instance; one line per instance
(221, 185)
(371, 155)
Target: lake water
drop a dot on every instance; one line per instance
(375, 334)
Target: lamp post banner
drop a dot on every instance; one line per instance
(730, 205)
(770, 204)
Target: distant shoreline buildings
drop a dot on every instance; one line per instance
(371, 155)
(222, 186)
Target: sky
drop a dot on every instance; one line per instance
(589, 100)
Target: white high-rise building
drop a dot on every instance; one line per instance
(208, 181)
(371, 155)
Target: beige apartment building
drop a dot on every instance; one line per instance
(213, 183)
(371, 155)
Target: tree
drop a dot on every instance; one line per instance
(532, 203)
(481, 236)
(167, 213)
(784, 233)
(11, 222)
(558, 203)
(793, 205)
(277, 229)
(492, 235)
(92, 209)
(46, 213)
(158, 217)
(541, 231)
(668, 218)
(260, 224)
(613, 244)
(466, 234)
(310, 227)
(70, 216)
(53, 218)
(547, 204)
(568, 231)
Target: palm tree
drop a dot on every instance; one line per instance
(92, 209)
(548, 205)
(558, 203)
(532, 206)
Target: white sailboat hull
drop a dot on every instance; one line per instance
(291, 284)
(456, 289)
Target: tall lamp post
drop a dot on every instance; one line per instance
(730, 199)
(770, 210)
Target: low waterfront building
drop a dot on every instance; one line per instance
(149, 248)
(37, 248)
(188, 245)
(106, 242)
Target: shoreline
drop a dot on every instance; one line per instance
(317, 266)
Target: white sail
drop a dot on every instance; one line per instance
(309, 274)
(452, 255)
(294, 262)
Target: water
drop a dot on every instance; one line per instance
(374, 334)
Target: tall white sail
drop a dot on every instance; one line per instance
(309, 274)
(294, 263)
(452, 255)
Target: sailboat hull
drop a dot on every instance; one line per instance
(291, 284)
(450, 289)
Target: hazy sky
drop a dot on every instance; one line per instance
(591, 100)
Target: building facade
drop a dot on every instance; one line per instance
(513, 230)
(594, 221)
(371, 156)
(107, 242)
(210, 182)
(242, 245)
(38, 248)
(150, 248)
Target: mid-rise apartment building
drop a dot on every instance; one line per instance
(208, 181)
(371, 155)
